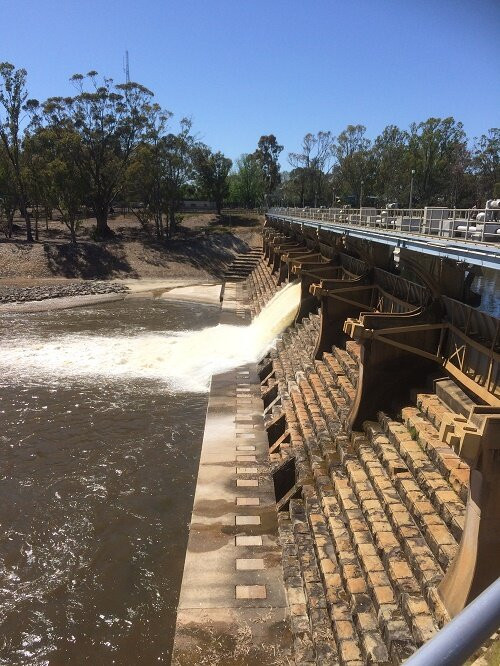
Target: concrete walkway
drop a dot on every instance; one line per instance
(232, 606)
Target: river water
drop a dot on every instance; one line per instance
(102, 412)
(488, 286)
(97, 475)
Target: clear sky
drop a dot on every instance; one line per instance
(242, 68)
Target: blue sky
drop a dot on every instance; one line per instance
(242, 68)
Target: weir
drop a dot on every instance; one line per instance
(376, 421)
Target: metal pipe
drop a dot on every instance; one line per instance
(461, 637)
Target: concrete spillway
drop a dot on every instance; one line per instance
(232, 607)
(369, 479)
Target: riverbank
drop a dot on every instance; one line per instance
(60, 296)
(201, 248)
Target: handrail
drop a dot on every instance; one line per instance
(461, 637)
(469, 224)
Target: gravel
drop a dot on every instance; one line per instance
(12, 294)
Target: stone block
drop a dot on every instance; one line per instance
(248, 541)
(251, 592)
(383, 594)
(448, 423)
(470, 441)
(296, 596)
(247, 501)
(247, 483)
(249, 564)
(375, 649)
(350, 652)
(247, 520)
(423, 628)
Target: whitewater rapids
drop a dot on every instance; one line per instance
(184, 361)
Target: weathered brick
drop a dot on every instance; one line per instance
(356, 585)
(350, 652)
(423, 628)
(383, 595)
(345, 630)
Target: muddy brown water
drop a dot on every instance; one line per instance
(97, 477)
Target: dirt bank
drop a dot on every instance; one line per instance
(201, 249)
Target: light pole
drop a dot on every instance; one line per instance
(411, 193)
(361, 199)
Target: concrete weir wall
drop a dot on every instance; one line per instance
(316, 538)
(232, 606)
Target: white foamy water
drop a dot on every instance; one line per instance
(184, 361)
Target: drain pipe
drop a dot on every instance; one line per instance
(461, 637)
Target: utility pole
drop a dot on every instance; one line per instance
(126, 68)
(361, 199)
(411, 193)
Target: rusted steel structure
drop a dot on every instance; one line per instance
(413, 326)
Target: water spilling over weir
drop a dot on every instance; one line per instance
(102, 419)
(184, 360)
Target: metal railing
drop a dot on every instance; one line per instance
(461, 637)
(479, 225)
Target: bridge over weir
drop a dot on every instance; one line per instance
(377, 428)
(451, 238)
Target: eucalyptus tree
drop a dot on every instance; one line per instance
(312, 165)
(146, 174)
(267, 155)
(53, 162)
(177, 149)
(161, 167)
(13, 104)
(111, 121)
(354, 169)
(211, 174)
(437, 151)
(8, 194)
(486, 164)
(246, 184)
(392, 165)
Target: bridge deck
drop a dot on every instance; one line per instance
(471, 252)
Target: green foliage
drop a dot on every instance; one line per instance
(110, 120)
(160, 169)
(111, 140)
(212, 170)
(267, 156)
(246, 185)
(13, 100)
(436, 153)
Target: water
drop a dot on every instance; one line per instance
(488, 285)
(182, 360)
(102, 412)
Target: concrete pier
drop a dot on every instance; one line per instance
(232, 606)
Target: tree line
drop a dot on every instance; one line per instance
(108, 143)
(434, 158)
(112, 143)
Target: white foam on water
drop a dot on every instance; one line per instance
(185, 361)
